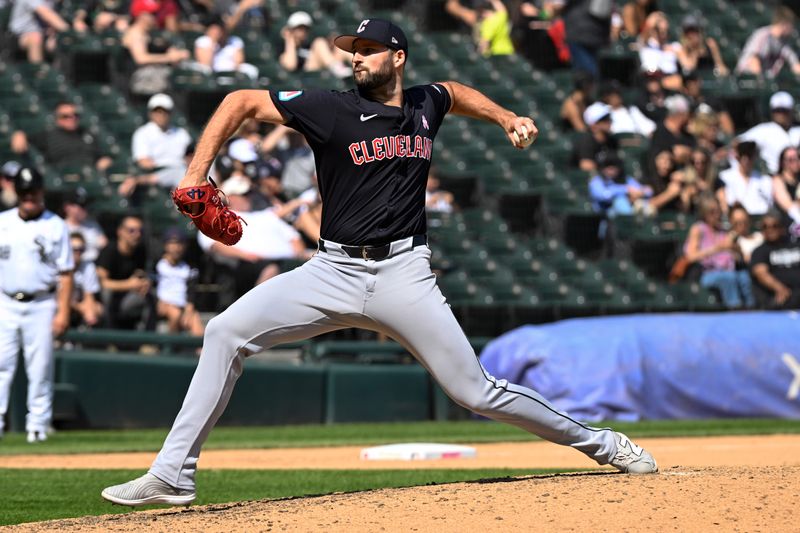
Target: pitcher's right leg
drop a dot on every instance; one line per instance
(305, 302)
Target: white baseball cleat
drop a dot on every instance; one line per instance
(36, 436)
(632, 459)
(147, 490)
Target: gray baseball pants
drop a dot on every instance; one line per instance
(397, 296)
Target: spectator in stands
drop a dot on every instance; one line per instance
(86, 309)
(773, 136)
(165, 12)
(219, 52)
(775, 265)
(671, 190)
(744, 184)
(588, 27)
(705, 128)
(299, 53)
(671, 134)
(696, 51)
(716, 251)
(490, 25)
(268, 241)
(625, 119)
(268, 189)
(437, 200)
(613, 192)
(700, 103)
(577, 101)
(66, 145)
(656, 53)
(8, 196)
(158, 148)
(590, 143)
(701, 171)
(175, 286)
(768, 49)
(121, 267)
(240, 14)
(149, 70)
(297, 158)
(652, 96)
(76, 216)
(101, 15)
(634, 15)
(746, 239)
(785, 190)
(35, 24)
(537, 31)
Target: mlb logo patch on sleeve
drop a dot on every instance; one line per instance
(285, 96)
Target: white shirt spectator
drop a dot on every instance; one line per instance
(23, 16)
(631, 120)
(267, 236)
(773, 52)
(224, 56)
(173, 282)
(166, 148)
(755, 194)
(771, 139)
(93, 235)
(85, 279)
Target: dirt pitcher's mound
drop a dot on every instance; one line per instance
(679, 499)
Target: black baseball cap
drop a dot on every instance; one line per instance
(79, 196)
(378, 30)
(28, 179)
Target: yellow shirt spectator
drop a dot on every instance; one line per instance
(495, 35)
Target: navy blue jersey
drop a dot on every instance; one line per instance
(372, 159)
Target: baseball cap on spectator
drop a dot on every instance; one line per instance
(690, 22)
(28, 179)
(144, 6)
(596, 112)
(378, 30)
(676, 104)
(236, 185)
(299, 18)
(243, 151)
(10, 169)
(781, 100)
(77, 196)
(160, 101)
(270, 168)
(174, 234)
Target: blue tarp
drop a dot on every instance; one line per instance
(744, 364)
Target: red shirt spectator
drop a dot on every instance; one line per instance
(165, 11)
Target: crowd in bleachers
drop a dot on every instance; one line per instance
(640, 126)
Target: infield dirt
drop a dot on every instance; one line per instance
(705, 484)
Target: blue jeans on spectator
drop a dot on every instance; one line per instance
(584, 58)
(734, 286)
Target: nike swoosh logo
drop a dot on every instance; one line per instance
(366, 118)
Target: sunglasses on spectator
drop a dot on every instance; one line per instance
(771, 225)
(791, 158)
(132, 230)
(67, 115)
(78, 249)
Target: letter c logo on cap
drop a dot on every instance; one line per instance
(362, 26)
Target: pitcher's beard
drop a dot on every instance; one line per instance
(375, 80)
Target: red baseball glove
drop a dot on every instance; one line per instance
(209, 213)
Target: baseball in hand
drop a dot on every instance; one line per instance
(526, 138)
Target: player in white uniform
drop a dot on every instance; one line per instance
(35, 285)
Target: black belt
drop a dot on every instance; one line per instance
(29, 296)
(376, 253)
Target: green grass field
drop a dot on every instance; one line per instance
(33, 495)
